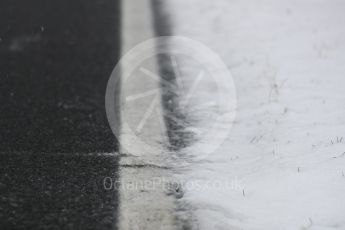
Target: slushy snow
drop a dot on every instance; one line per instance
(283, 164)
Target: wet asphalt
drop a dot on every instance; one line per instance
(55, 60)
(175, 119)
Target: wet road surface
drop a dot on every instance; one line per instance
(55, 60)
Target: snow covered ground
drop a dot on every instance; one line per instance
(285, 153)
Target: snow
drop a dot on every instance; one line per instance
(285, 149)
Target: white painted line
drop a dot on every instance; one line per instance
(144, 203)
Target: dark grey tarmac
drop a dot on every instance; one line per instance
(55, 59)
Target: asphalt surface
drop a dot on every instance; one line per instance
(55, 60)
(175, 120)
